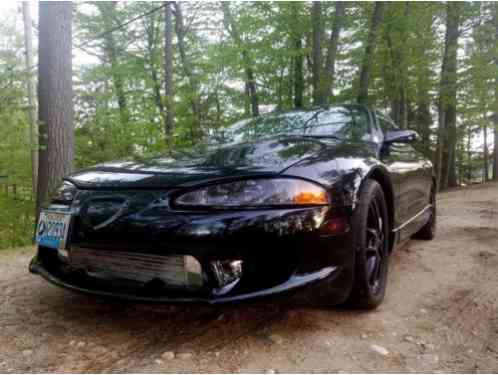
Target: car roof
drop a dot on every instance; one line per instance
(320, 108)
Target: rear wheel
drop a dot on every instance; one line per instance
(371, 244)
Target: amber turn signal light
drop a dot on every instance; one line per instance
(308, 197)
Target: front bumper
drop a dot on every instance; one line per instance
(294, 283)
(284, 251)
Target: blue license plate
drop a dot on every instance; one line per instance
(53, 228)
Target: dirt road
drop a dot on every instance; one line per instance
(440, 314)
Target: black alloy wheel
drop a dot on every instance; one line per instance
(371, 244)
(376, 249)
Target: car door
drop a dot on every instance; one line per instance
(411, 172)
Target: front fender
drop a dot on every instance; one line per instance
(343, 176)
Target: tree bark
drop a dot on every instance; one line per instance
(168, 71)
(296, 40)
(495, 139)
(108, 11)
(401, 56)
(247, 62)
(423, 119)
(298, 74)
(55, 93)
(447, 141)
(469, 156)
(33, 121)
(218, 106)
(316, 51)
(485, 153)
(187, 68)
(367, 62)
(495, 116)
(397, 77)
(333, 46)
(151, 34)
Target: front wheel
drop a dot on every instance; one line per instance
(371, 243)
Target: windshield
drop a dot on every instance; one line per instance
(339, 122)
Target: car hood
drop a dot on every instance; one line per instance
(201, 164)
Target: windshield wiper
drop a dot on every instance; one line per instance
(321, 136)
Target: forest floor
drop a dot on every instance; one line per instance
(440, 314)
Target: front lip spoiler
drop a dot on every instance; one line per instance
(296, 281)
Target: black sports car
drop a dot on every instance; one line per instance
(308, 201)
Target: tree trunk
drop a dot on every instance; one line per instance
(495, 139)
(366, 65)
(247, 62)
(296, 37)
(441, 132)
(401, 56)
(469, 156)
(187, 68)
(251, 86)
(218, 106)
(168, 71)
(485, 153)
(399, 105)
(316, 52)
(55, 93)
(108, 11)
(279, 89)
(333, 46)
(33, 121)
(447, 143)
(393, 79)
(298, 74)
(151, 34)
(118, 82)
(495, 116)
(423, 119)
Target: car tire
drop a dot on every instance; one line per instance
(428, 231)
(370, 225)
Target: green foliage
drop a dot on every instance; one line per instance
(16, 201)
(16, 204)
(117, 75)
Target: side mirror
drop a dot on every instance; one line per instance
(401, 136)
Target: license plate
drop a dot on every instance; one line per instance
(53, 229)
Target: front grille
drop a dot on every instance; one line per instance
(173, 270)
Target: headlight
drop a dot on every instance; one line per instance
(257, 192)
(65, 193)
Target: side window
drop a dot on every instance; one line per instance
(385, 125)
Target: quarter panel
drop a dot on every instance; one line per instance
(410, 173)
